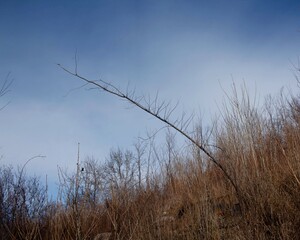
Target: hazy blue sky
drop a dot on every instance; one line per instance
(183, 49)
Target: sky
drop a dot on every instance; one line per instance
(188, 51)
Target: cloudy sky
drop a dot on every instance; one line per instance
(186, 50)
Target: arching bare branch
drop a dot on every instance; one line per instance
(160, 112)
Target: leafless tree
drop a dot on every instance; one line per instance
(23, 200)
(140, 149)
(120, 171)
(92, 185)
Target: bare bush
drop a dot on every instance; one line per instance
(23, 204)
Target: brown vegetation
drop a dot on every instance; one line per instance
(164, 193)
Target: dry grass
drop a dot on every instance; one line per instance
(189, 198)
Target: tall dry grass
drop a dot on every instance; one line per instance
(188, 197)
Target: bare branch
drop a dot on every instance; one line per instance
(5, 88)
(23, 167)
(156, 113)
(75, 89)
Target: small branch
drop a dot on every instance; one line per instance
(29, 160)
(6, 85)
(5, 88)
